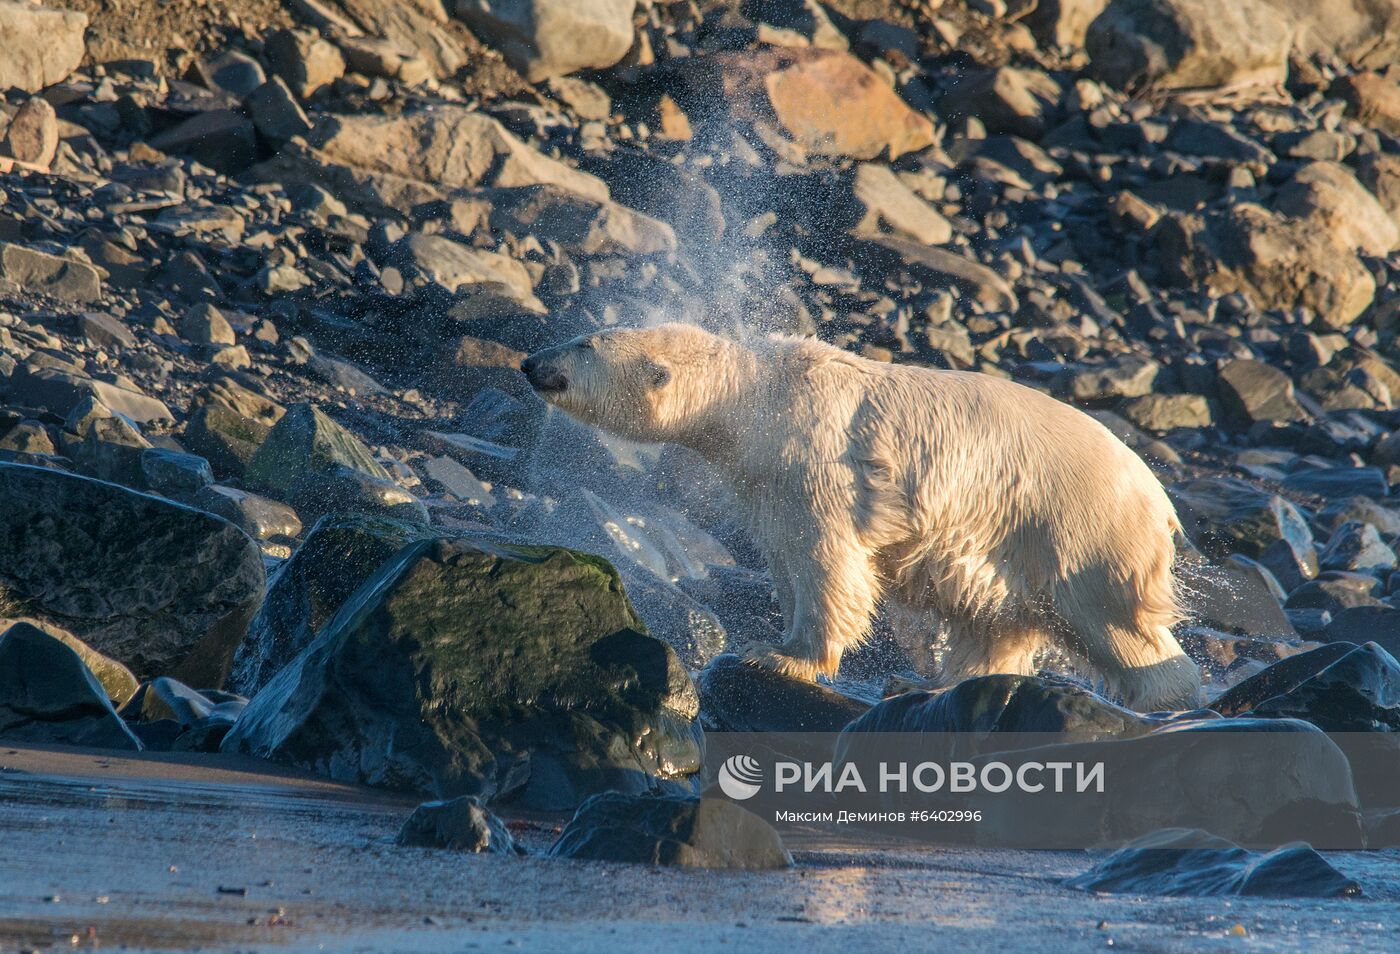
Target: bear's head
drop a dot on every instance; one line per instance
(646, 384)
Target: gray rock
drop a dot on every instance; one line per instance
(1357, 547)
(1335, 591)
(105, 331)
(543, 38)
(1177, 44)
(882, 204)
(39, 46)
(942, 267)
(582, 226)
(1275, 261)
(47, 695)
(299, 457)
(160, 587)
(544, 687)
(1340, 482)
(304, 61)
(1328, 198)
(454, 265)
(222, 139)
(461, 824)
(235, 72)
(1223, 515)
(1126, 377)
(1182, 862)
(259, 517)
(32, 134)
(1165, 412)
(1252, 391)
(40, 273)
(275, 112)
(205, 324)
(736, 697)
(1005, 100)
(674, 832)
(1340, 687)
(62, 393)
(173, 473)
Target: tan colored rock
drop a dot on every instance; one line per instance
(827, 102)
(32, 135)
(1372, 99)
(39, 46)
(1182, 44)
(1329, 198)
(1276, 261)
(305, 61)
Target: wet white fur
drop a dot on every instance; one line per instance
(1019, 521)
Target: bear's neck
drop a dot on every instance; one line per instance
(734, 406)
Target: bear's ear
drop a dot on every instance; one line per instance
(660, 374)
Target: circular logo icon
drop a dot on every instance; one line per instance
(740, 777)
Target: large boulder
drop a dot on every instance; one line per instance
(581, 225)
(116, 680)
(1363, 33)
(1225, 516)
(339, 554)
(47, 695)
(544, 38)
(1277, 262)
(675, 832)
(1180, 44)
(1340, 687)
(162, 588)
(39, 46)
(1328, 198)
(825, 101)
(1184, 862)
(395, 162)
(468, 667)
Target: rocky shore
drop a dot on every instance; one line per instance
(271, 483)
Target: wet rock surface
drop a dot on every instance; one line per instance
(461, 824)
(48, 695)
(670, 831)
(1178, 862)
(466, 667)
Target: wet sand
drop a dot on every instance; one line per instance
(175, 852)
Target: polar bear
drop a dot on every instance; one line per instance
(1019, 521)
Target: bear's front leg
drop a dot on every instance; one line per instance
(834, 594)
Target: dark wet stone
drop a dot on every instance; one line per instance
(1340, 687)
(736, 697)
(1335, 591)
(1004, 703)
(48, 695)
(1224, 516)
(1181, 862)
(1366, 624)
(671, 831)
(469, 667)
(159, 587)
(339, 554)
(1236, 595)
(461, 824)
(1340, 482)
(1358, 547)
(172, 473)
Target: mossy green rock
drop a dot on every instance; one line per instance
(300, 462)
(162, 588)
(339, 554)
(471, 667)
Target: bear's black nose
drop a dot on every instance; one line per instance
(543, 377)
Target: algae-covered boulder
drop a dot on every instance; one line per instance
(469, 667)
(164, 589)
(340, 553)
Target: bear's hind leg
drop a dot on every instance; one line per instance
(985, 649)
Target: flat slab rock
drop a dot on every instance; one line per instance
(1179, 862)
